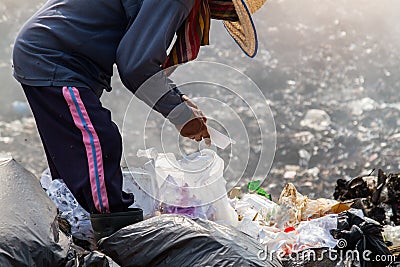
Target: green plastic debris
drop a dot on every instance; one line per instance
(254, 187)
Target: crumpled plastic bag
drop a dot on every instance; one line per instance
(278, 241)
(361, 234)
(309, 234)
(315, 233)
(69, 208)
(90, 259)
(301, 208)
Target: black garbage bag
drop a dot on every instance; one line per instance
(89, 259)
(393, 188)
(354, 188)
(363, 235)
(176, 240)
(29, 233)
(380, 202)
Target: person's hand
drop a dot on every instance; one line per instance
(196, 127)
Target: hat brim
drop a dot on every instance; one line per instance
(243, 31)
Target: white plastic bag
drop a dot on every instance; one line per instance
(315, 233)
(193, 185)
(68, 206)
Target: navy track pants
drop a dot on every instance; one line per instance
(83, 145)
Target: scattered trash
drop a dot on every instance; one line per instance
(254, 187)
(251, 222)
(360, 105)
(293, 224)
(291, 171)
(301, 208)
(354, 188)
(343, 76)
(21, 108)
(328, 73)
(305, 157)
(309, 234)
(378, 196)
(316, 119)
(315, 233)
(289, 175)
(236, 192)
(392, 234)
(255, 207)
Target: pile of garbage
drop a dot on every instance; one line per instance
(282, 233)
(378, 196)
(297, 226)
(293, 223)
(242, 228)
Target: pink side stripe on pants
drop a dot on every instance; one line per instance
(93, 148)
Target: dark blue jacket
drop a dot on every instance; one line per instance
(77, 42)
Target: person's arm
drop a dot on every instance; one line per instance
(142, 51)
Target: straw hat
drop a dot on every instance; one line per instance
(244, 31)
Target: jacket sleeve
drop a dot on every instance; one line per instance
(142, 51)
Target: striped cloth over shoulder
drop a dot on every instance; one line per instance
(196, 29)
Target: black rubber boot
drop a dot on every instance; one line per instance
(108, 223)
